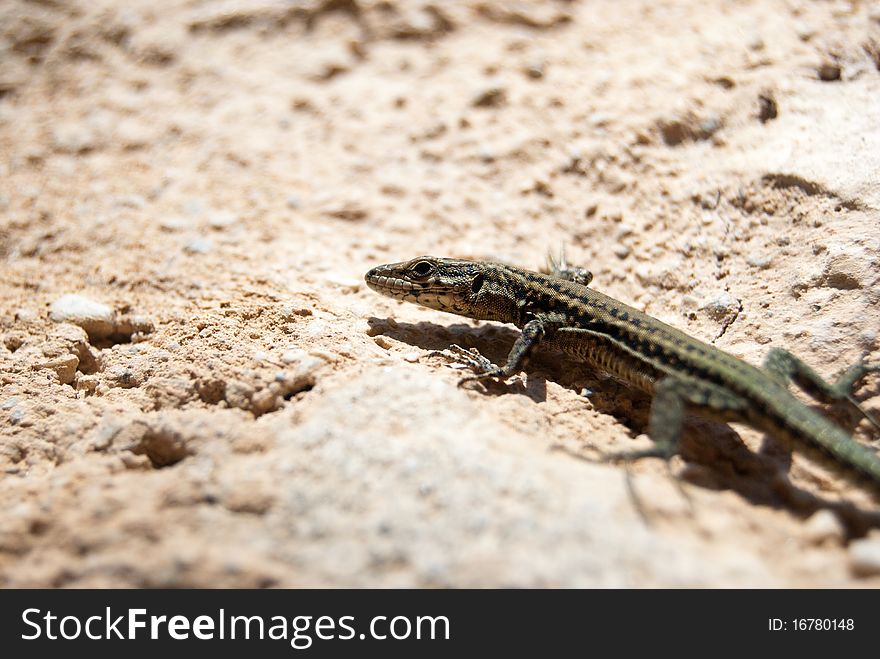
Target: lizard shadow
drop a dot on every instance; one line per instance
(715, 455)
(489, 340)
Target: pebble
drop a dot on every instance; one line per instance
(535, 70)
(132, 200)
(17, 417)
(350, 211)
(174, 223)
(804, 31)
(64, 367)
(25, 315)
(621, 251)
(846, 271)
(864, 556)
(198, 246)
(122, 376)
(722, 306)
(829, 71)
(98, 320)
(347, 283)
(823, 526)
(74, 138)
(761, 261)
(220, 219)
(326, 355)
(490, 98)
(293, 356)
(767, 107)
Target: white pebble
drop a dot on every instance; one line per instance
(220, 219)
(823, 526)
(864, 556)
(294, 355)
(95, 318)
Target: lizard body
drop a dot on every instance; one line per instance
(682, 373)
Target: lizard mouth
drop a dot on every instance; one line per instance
(391, 284)
(387, 282)
(382, 281)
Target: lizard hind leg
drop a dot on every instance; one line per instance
(786, 367)
(673, 396)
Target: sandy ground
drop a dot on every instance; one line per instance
(223, 402)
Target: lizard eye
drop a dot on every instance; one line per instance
(422, 268)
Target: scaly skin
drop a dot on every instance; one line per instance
(682, 373)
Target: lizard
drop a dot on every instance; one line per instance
(682, 374)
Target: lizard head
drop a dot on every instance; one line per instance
(445, 284)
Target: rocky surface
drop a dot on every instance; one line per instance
(196, 388)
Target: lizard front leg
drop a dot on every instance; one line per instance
(532, 334)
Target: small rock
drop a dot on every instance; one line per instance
(829, 71)
(709, 126)
(845, 271)
(64, 366)
(723, 306)
(325, 355)
(293, 356)
(348, 283)
(87, 383)
(621, 251)
(17, 417)
(132, 200)
(761, 261)
(174, 223)
(74, 138)
(136, 325)
(238, 394)
(198, 246)
(804, 31)
(221, 219)
(98, 320)
(767, 108)
(490, 98)
(303, 376)
(864, 556)
(25, 315)
(292, 310)
(123, 377)
(133, 134)
(293, 202)
(535, 70)
(351, 211)
(822, 527)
